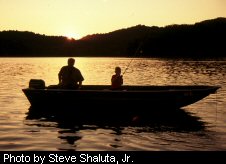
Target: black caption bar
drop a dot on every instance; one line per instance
(97, 157)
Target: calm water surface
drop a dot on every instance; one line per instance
(206, 131)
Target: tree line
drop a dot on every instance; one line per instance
(200, 40)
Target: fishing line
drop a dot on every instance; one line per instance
(193, 81)
(136, 52)
(216, 114)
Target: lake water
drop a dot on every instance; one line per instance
(19, 132)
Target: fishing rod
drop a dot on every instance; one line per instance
(138, 50)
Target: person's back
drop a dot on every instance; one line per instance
(69, 76)
(116, 79)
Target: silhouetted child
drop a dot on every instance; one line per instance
(116, 79)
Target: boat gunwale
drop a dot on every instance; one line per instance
(159, 89)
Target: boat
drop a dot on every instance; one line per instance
(128, 99)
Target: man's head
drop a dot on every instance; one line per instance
(71, 62)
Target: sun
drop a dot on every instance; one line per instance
(72, 36)
(69, 38)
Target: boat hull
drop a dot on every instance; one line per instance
(131, 99)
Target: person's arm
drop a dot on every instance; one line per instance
(81, 78)
(60, 76)
(79, 84)
(112, 79)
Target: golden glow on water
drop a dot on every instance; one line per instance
(100, 70)
(43, 134)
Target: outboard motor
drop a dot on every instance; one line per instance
(37, 84)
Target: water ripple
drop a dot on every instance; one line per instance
(206, 129)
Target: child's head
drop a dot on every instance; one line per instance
(118, 70)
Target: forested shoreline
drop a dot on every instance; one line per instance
(204, 39)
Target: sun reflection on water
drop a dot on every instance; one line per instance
(15, 74)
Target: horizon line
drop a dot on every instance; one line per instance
(72, 38)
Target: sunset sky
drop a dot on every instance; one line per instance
(78, 18)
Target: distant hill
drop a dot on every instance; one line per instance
(200, 40)
(16, 43)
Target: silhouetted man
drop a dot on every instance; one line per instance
(69, 76)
